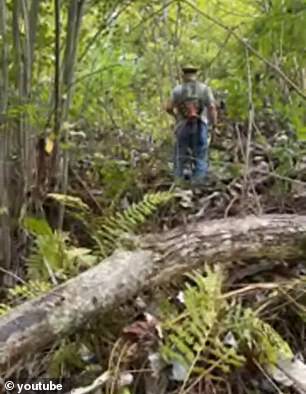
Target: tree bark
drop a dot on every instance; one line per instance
(33, 19)
(5, 236)
(4, 59)
(75, 15)
(155, 259)
(17, 135)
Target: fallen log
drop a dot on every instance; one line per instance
(155, 259)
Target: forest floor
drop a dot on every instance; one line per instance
(256, 174)
(249, 175)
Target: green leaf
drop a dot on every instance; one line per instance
(37, 226)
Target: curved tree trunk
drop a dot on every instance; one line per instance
(156, 259)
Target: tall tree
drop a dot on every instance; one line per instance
(5, 240)
(75, 15)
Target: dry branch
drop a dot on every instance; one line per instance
(156, 259)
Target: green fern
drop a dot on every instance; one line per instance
(24, 292)
(52, 255)
(29, 290)
(261, 339)
(195, 339)
(113, 228)
(69, 201)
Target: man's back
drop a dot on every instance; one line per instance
(192, 90)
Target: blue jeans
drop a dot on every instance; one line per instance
(192, 146)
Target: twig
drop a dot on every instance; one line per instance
(57, 71)
(220, 49)
(13, 275)
(125, 379)
(251, 116)
(85, 187)
(239, 140)
(157, 12)
(262, 370)
(229, 206)
(282, 177)
(50, 272)
(100, 381)
(92, 73)
(253, 287)
(114, 15)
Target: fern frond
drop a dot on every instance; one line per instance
(29, 290)
(197, 341)
(37, 226)
(197, 338)
(69, 201)
(51, 251)
(265, 343)
(113, 228)
(48, 251)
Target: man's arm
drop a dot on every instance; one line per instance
(169, 107)
(212, 114)
(211, 107)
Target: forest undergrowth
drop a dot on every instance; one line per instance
(221, 330)
(86, 153)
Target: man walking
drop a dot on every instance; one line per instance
(189, 104)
